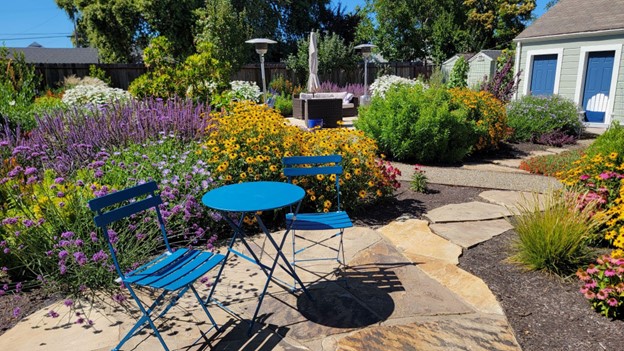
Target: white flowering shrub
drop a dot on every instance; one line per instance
(381, 85)
(243, 90)
(94, 95)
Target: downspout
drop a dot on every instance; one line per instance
(517, 67)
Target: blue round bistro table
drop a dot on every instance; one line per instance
(250, 198)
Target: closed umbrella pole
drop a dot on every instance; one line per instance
(313, 80)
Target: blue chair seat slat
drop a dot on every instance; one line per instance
(167, 266)
(123, 195)
(154, 266)
(204, 268)
(306, 171)
(127, 210)
(180, 268)
(297, 160)
(320, 221)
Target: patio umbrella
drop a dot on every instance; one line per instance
(313, 81)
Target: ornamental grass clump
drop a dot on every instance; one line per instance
(603, 285)
(553, 234)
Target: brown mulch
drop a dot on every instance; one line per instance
(545, 312)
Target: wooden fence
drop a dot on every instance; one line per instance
(123, 74)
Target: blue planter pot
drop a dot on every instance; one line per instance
(312, 123)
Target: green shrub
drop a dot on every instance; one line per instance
(553, 239)
(459, 74)
(419, 180)
(283, 103)
(411, 123)
(533, 116)
(611, 141)
(18, 86)
(99, 73)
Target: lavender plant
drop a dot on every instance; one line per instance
(69, 140)
(329, 87)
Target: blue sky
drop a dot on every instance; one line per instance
(25, 21)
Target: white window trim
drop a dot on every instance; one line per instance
(529, 64)
(580, 76)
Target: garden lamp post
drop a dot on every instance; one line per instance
(365, 49)
(262, 46)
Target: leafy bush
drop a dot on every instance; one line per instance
(488, 114)
(283, 104)
(555, 138)
(610, 141)
(99, 73)
(248, 143)
(243, 90)
(94, 95)
(551, 165)
(532, 116)
(198, 77)
(603, 285)
(384, 83)
(553, 239)
(459, 74)
(18, 88)
(281, 86)
(412, 123)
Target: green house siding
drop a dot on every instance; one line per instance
(572, 49)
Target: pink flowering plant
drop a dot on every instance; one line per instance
(603, 285)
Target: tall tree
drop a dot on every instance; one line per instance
(220, 24)
(121, 28)
(494, 23)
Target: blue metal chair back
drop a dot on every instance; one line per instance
(104, 218)
(297, 166)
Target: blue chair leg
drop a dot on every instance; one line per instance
(201, 302)
(143, 319)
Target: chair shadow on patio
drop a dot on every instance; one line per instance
(358, 298)
(265, 337)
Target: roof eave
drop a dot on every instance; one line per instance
(570, 35)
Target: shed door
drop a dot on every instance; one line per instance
(597, 85)
(543, 74)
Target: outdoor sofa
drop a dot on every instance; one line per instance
(330, 107)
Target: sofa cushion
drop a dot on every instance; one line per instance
(340, 95)
(306, 96)
(349, 105)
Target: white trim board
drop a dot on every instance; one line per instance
(582, 67)
(529, 65)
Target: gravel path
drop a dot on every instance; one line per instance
(481, 178)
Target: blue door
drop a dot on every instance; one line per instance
(597, 85)
(543, 74)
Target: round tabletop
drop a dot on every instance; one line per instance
(253, 196)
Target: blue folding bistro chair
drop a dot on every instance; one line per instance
(302, 166)
(172, 272)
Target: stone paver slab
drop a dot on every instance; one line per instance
(413, 236)
(468, 234)
(514, 200)
(510, 162)
(469, 333)
(469, 211)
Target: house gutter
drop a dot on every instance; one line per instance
(570, 35)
